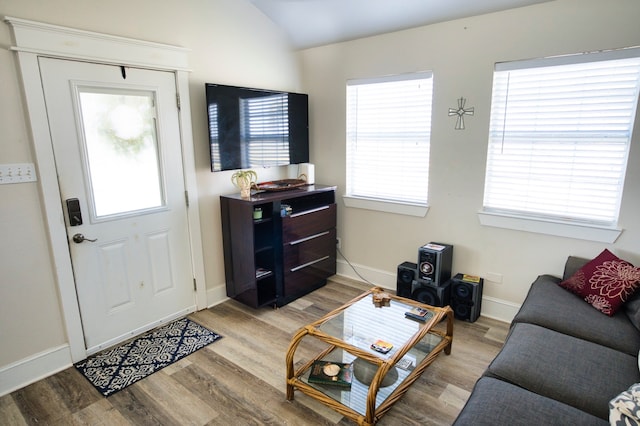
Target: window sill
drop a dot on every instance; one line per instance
(601, 234)
(385, 206)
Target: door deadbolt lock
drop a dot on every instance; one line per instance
(73, 210)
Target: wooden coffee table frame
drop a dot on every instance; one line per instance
(372, 415)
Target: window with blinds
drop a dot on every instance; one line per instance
(388, 137)
(214, 137)
(265, 129)
(559, 136)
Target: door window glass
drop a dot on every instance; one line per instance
(121, 150)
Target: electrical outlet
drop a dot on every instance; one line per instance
(338, 242)
(17, 173)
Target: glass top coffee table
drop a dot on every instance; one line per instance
(347, 337)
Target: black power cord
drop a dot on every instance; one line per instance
(354, 268)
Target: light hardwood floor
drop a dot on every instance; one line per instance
(240, 379)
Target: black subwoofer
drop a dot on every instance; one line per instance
(466, 297)
(426, 291)
(406, 275)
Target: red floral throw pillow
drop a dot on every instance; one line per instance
(605, 282)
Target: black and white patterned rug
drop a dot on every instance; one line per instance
(116, 368)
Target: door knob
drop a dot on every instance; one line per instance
(78, 238)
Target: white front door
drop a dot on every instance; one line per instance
(116, 141)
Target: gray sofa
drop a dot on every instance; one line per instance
(562, 362)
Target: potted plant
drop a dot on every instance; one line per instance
(244, 179)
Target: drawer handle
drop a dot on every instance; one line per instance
(302, 240)
(297, 268)
(309, 211)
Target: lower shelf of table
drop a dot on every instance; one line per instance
(355, 397)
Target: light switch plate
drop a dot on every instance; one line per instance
(17, 173)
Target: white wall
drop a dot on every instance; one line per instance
(231, 42)
(462, 55)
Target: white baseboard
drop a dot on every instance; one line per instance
(44, 364)
(501, 310)
(37, 367)
(371, 276)
(216, 295)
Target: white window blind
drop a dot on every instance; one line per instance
(214, 136)
(388, 137)
(265, 129)
(559, 136)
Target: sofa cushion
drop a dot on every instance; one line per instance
(494, 402)
(550, 306)
(573, 371)
(605, 282)
(572, 265)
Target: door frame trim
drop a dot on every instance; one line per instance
(33, 40)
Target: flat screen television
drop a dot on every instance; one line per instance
(252, 128)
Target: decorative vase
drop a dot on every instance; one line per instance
(244, 179)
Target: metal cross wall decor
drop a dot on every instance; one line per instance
(460, 112)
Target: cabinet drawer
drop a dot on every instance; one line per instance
(308, 279)
(311, 249)
(303, 224)
(309, 263)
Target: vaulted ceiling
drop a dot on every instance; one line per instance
(310, 23)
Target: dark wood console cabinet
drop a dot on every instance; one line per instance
(277, 258)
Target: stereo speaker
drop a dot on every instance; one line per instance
(426, 291)
(466, 297)
(434, 262)
(406, 275)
